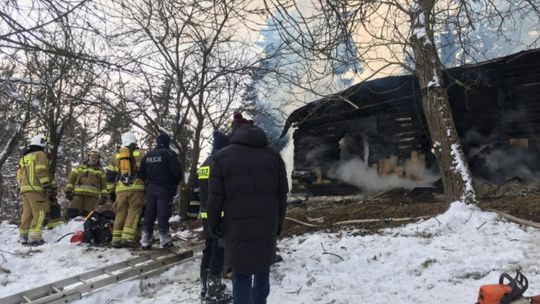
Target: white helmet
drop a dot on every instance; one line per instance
(39, 140)
(128, 138)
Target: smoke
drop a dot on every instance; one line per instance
(356, 172)
(504, 164)
(288, 157)
(492, 159)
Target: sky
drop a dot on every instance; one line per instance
(444, 259)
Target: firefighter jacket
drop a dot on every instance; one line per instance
(87, 180)
(33, 173)
(112, 173)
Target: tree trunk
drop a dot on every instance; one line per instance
(186, 190)
(446, 146)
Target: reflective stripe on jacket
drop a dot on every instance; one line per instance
(112, 172)
(87, 180)
(33, 172)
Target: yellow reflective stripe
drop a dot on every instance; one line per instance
(121, 187)
(117, 235)
(204, 172)
(136, 153)
(28, 162)
(36, 230)
(41, 167)
(89, 170)
(69, 186)
(204, 215)
(29, 158)
(89, 191)
(31, 188)
(110, 187)
(44, 180)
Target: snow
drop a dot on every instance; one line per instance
(446, 258)
(434, 82)
(459, 166)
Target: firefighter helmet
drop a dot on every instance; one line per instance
(128, 138)
(39, 140)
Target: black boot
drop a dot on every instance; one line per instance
(204, 280)
(216, 291)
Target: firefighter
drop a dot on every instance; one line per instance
(126, 190)
(86, 186)
(162, 173)
(213, 254)
(37, 191)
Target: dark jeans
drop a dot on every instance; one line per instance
(251, 288)
(158, 204)
(213, 257)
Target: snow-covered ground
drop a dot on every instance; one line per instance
(440, 260)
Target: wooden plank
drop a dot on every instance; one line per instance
(516, 219)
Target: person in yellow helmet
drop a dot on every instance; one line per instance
(36, 189)
(86, 187)
(126, 189)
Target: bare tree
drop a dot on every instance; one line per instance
(193, 47)
(398, 34)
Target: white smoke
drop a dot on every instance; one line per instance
(288, 157)
(356, 172)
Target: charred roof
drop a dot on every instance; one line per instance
(370, 97)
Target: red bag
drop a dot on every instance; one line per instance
(78, 237)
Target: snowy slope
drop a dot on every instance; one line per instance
(442, 260)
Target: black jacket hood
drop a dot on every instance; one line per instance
(250, 136)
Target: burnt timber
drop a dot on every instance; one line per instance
(495, 105)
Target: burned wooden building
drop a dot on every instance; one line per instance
(496, 108)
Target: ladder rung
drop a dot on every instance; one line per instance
(27, 299)
(56, 289)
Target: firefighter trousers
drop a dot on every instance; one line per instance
(128, 207)
(34, 212)
(82, 205)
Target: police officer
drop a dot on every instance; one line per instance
(162, 173)
(213, 255)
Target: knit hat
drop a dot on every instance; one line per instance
(220, 140)
(163, 140)
(239, 120)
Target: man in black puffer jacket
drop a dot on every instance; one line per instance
(248, 183)
(161, 172)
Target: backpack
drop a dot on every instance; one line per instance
(127, 166)
(98, 228)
